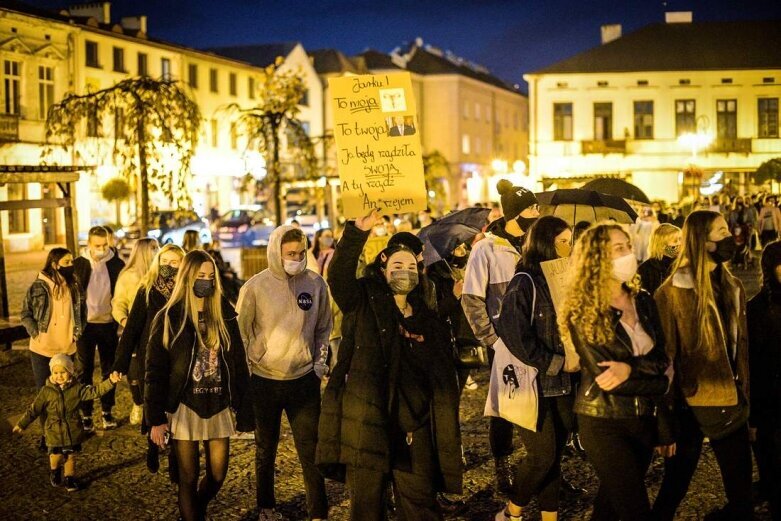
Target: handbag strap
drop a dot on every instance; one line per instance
(534, 295)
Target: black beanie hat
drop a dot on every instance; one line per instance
(410, 240)
(515, 199)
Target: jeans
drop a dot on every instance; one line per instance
(41, 369)
(733, 454)
(104, 337)
(540, 471)
(300, 400)
(620, 450)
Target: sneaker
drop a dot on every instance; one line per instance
(504, 475)
(136, 414)
(55, 477)
(504, 515)
(86, 423)
(71, 485)
(470, 385)
(108, 421)
(269, 514)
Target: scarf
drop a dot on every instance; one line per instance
(165, 286)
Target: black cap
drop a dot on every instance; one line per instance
(410, 240)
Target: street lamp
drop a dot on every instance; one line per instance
(696, 141)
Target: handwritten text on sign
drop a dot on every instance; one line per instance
(378, 144)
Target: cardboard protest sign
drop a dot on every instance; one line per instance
(555, 272)
(373, 248)
(377, 144)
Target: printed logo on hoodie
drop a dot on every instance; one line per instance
(305, 301)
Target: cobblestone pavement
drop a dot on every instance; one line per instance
(118, 486)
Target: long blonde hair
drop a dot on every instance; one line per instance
(216, 332)
(659, 239)
(148, 281)
(586, 308)
(141, 257)
(191, 241)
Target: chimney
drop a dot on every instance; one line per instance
(101, 11)
(678, 17)
(610, 32)
(134, 23)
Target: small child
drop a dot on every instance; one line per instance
(58, 401)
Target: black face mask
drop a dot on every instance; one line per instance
(525, 222)
(203, 288)
(66, 271)
(168, 272)
(725, 250)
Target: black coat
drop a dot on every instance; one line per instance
(358, 408)
(653, 272)
(135, 336)
(764, 357)
(169, 370)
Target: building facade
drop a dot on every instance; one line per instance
(650, 105)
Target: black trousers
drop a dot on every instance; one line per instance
(300, 400)
(620, 451)
(104, 337)
(500, 431)
(540, 471)
(413, 486)
(767, 450)
(733, 454)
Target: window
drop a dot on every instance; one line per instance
(768, 80)
(477, 111)
(684, 82)
(562, 121)
(768, 117)
(215, 131)
(727, 118)
(192, 75)
(466, 110)
(562, 85)
(119, 59)
(726, 81)
(45, 90)
(642, 83)
(232, 84)
(91, 54)
(92, 123)
(685, 115)
(465, 144)
(603, 121)
(143, 64)
(165, 68)
(251, 87)
(644, 119)
(17, 219)
(12, 82)
(234, 137)
(119, 123)
(304, 99)
(478, 146)
(516, 120)
(602, 84)
(213, 86)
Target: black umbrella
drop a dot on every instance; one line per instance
(444, 235)
(575, 205)
(618, 187)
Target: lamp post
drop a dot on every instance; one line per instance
(696, 142)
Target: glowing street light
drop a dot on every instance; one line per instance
(695, 141)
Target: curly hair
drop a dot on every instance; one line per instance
(586, 310)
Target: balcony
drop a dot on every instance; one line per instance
(726, 145)
(9, 128)
(604, 146)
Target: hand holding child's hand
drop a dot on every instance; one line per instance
(17, 429)
(115, 377)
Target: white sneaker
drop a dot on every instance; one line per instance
(136, 414)
(470, 385)
(268, 514)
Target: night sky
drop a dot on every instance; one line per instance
(509, 37)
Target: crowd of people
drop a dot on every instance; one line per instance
(652, 348)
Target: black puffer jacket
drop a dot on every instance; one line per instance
(654, 271)
(135, 336)
(641, 394)
(358, 406)
(168, 370)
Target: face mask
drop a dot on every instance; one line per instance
(672, 251)
(725, 250)
(402, 282)
(380, 231)
(203, 288)
(98, 254)
(624, 268)
(326, 242)
(525, 222)
(563, 249)
(293, 268)
(66, 271)
(168, 272)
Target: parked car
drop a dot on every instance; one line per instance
(167, 226)
(245, 226)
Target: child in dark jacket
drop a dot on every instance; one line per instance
(59, 403)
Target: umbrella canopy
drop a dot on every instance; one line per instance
(618, 187)
(444, 235)
(575, 205)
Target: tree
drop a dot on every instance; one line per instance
(116, 190)
(436, 171)
(273, 123)
(770, 170)
(156, 130)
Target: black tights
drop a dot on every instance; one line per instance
(194, 497)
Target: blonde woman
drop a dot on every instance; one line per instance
(615, 329)
(191, 241)
(703, 311)
(662, 252)
(144, 250)
(196, 377)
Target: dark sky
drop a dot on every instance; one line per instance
(510, 37)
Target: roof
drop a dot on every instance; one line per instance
(260, 55)
(682, 46)
(425, 62)
(328, 61)
(21, 7)
(376, 60)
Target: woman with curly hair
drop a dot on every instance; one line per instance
(615, 329)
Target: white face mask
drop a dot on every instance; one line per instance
(293, 268)
(624, 268)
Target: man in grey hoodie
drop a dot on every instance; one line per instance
(285, 322)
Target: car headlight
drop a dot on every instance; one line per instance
(155, 234)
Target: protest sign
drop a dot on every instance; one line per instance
(555, 272)
(377, 144)
(373, 248)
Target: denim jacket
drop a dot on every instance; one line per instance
(37, 309)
